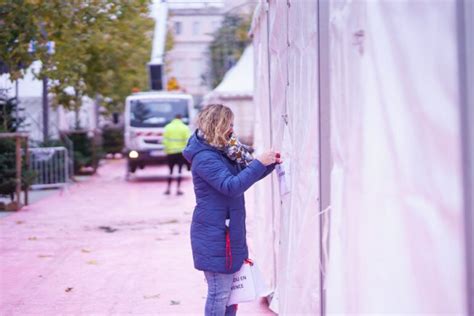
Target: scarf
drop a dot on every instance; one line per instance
(234, 150)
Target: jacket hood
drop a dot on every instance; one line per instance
(195, 145)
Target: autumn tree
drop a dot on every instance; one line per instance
(101, 46)
(228, 45)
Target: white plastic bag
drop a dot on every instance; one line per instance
(248, 284)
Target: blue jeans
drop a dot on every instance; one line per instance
(218, 285)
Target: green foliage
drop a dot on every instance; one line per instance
(52, 143)
(10, 123)
(18, 26)
(86, 150)
(8, 120)
(228, 45)
(8, 169)
(82, 150)
(112, 140)
(101, 46)
(7, 166)
(169, 44)
(119, 53)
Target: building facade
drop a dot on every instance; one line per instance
(187, 61)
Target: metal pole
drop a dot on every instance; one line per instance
(45, 109)
(96, 110)
(325, 162)
(465, 24)
(271, 138)
(17, 104)
(45, 87)
(18, 172)
(27, 163)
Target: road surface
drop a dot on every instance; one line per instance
(104, 247)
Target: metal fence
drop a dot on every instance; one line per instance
(51, 165)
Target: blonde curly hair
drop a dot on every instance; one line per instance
(214, 122)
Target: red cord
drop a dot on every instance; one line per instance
(228, 252)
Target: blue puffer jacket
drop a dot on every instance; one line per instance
(219, 185)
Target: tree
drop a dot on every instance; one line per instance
(17, 28)
(228, 45)
(112, 44)
(9, 122)
(169, 45)
(120, 53)
(101, 46)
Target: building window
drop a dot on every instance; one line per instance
(178, 28)
(196, 28)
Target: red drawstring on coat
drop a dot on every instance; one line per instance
(228, 252)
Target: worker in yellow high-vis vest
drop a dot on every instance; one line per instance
(175, 138)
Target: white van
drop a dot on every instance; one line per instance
(146, 114)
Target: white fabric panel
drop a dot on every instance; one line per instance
(260, 214)
(300, 277)
(278, 59)
(345, 64)
(397, 222)
(278, 79)
(28, 87)
(396, 235)
(291, 221)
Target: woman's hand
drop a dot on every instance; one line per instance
(268, 158)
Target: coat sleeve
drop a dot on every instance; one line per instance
(268, 170)
(213, 170)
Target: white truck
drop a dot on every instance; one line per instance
(146, 114)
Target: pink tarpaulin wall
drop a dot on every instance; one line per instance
(287, 246)
(396, 223)
(397, 218)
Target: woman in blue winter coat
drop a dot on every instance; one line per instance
(222, 170)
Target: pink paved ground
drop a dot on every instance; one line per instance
(56, 260)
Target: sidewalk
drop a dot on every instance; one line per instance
(104, 247)
(37, 195)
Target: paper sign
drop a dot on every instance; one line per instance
(282, 180)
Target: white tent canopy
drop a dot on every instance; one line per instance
(30, 94)
(238, 81)
(236, 91)
(29, 86)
